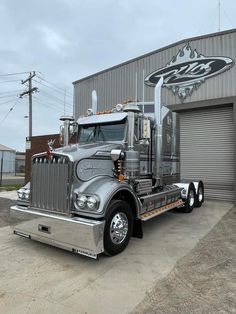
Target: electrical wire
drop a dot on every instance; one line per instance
(11, 109)
(48, 104)
(55, 86)
(10, 81)
(7, 96)
(11, 91)
(58, 99)
(19, 73)
(55, 103)
(7, 102)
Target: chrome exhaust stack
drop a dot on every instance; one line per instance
(65, 130)
(158, 133)
(132, 158)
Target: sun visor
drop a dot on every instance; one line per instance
(103, 118)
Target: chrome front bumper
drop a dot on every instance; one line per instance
(79, 235)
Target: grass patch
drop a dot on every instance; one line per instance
(10, 187)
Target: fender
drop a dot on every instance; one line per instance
(106, 188)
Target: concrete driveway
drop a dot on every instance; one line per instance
(36, 278)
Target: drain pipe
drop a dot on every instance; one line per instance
(158, 134)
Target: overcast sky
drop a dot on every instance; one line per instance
(65, 40)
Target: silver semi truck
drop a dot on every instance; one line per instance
(92, 196)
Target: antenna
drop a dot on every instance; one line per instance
(136, 87)
(65, 102)
(143, 91)
(219, 16)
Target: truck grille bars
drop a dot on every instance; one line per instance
(50, 184)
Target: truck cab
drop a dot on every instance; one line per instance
(92, 196)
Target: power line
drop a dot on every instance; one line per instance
(9, 81)
(50, 98)
(56, 105)
(58, 99)
(7, 102)
(9, 112)
(9, 74)
(49, 105)
(55, 86)
(58, 91)
(7, 96)
(11, 91)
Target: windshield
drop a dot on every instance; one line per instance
(102, 132)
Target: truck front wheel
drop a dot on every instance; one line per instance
(118, 227)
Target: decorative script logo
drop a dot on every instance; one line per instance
(188, 70)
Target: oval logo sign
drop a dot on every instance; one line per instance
(188, 70)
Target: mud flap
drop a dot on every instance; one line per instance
(138, 229)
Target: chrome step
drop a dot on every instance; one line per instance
(157, 211)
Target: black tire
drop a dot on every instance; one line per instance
(191, 197)
(118, 212)
(199, 200)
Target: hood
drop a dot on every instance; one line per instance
(77, 152)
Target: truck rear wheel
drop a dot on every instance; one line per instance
(118, 227)
(199, 195)
(189, 202)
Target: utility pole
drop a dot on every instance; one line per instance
(29, 92)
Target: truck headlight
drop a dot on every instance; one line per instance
(81, 201)
(86, 202)
(27, 195)
(23, 194)
(92, 202)
(20, 194)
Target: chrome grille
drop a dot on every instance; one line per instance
(50, 183)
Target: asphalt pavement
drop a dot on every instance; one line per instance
(37, 278)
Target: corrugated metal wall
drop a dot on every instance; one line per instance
(207, 150)
(9, 158)
(117, 84)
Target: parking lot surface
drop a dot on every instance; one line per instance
(37, 278)
(204, 281)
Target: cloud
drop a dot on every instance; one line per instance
(53, 39)
(68, 40)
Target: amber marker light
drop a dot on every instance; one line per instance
(121, 177)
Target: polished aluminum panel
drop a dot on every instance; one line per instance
(79, 235)
(91, 168)
(50, 184)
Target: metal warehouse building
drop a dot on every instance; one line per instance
(7, 159)
(199, 83)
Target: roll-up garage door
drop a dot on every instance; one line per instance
(207, 150)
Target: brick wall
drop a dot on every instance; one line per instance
(39, 144)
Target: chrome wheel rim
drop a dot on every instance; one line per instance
(119, 228)
(191, 198)
(200, 194)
